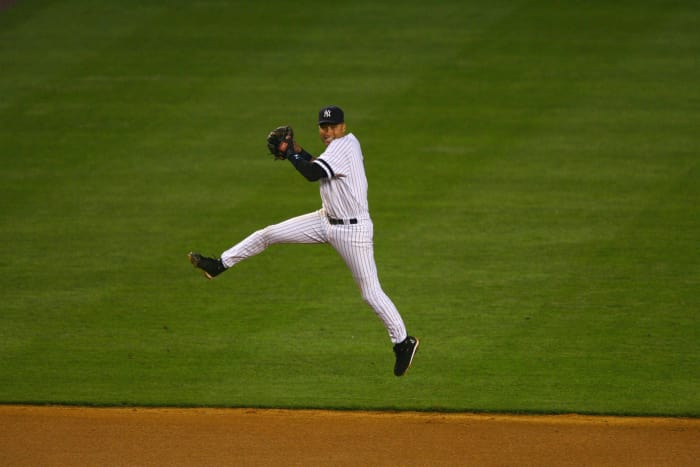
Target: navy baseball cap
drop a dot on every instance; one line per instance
(331, 114)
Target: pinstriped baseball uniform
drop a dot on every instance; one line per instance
(344, 199)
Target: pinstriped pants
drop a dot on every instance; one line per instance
(352, 241)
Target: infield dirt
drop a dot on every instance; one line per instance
(47, 435)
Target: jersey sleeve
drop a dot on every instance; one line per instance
(334, 161)
(325, 166)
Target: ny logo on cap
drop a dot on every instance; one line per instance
(327, 113)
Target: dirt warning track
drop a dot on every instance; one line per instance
(47, 436)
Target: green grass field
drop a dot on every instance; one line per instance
(534, 172)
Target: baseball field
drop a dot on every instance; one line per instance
(534, 181)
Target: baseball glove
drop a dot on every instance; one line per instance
(280, 142)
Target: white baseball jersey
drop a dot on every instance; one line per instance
(344, 190)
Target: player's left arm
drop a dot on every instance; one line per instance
(304, 163)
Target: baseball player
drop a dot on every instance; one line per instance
(343, 221)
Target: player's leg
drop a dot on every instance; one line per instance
(355, 246)
(307, 228)
(354, 243)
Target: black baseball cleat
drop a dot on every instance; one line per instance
(211, 267)
(404, 354)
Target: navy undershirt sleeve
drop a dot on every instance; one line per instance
(305, 155)
(308, 169)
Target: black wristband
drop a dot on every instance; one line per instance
(305, 155)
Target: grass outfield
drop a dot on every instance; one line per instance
(534, 180)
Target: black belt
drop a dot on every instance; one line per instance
(341, 221)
